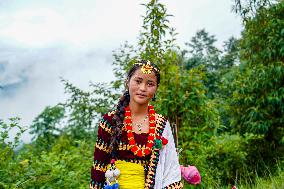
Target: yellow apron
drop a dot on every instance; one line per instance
(131, 175)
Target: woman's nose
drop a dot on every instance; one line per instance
(142, 87)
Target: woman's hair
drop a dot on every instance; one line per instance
(123, 102)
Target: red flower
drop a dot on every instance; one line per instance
(190, 174)
(164, 141)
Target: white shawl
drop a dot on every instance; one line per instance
(168, 168)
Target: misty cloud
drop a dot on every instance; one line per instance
(30, 79)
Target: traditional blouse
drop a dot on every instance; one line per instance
(161, 166)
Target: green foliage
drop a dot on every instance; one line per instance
(66, 165)
(7, 148)
(46, 126)
(201, 50)
(227, 153)
(231, 56)
(257, 103)
(269, 181)
(182, 98)
(152, 42)
(221, 161)
(5, 128)
(84, 108)
(156, 42)
(123, 59)
(8, 144)
(247, 9)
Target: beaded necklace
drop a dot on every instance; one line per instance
(139, 125)
(152, 126)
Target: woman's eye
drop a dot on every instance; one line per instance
(150, 84)
(138, 81)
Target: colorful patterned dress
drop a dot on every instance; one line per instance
(161, 165)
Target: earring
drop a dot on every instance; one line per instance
(154, 98)
(126, 93)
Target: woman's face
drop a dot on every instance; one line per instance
(142, 87)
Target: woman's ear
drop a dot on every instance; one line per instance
(126, 84)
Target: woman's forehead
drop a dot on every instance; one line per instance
(140, 74)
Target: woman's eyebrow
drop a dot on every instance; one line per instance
(137, 77)
(151, 81)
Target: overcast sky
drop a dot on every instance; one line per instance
(42, 40)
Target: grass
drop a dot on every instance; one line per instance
(270, 182)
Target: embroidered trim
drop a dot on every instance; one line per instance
(104, 123)
(111, 113)
(126, 146)
(96, 185)
(105, 126)
(99, 166)
(150, 177)
(100, 144)
(138, 161)
(175, 185)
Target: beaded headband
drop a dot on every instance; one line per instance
(147, 68)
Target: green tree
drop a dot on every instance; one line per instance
(202, 51)
(153, 41)
(65, 165)
(84, 108)
(257, 103)
(8, 145)
(231, 56)
(156, 39)
(248, 9)
(46, 126)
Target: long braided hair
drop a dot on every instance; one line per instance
(123, 102)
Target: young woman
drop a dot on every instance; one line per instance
(135, 147)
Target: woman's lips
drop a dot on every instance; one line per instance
(141, 95)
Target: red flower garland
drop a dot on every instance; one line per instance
(152, 125)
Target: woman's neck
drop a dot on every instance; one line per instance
(138, 109)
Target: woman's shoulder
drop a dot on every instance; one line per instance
(106, 121)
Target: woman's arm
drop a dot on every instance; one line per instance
(171, 167)
(101, 156)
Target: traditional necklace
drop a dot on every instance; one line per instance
(152, 125)
(139, 125)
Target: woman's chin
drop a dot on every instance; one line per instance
(141, 101)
